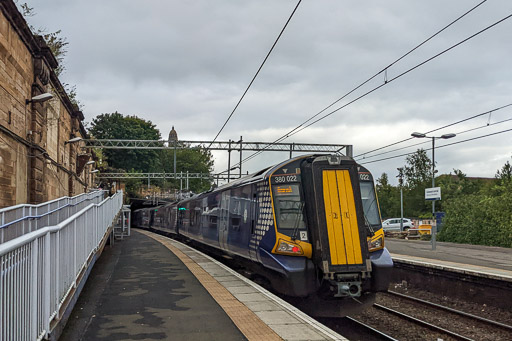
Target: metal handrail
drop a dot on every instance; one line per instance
(18, 220)
(41, 269)
(41, 215)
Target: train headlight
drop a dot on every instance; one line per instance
(289, 248)
(376, 243)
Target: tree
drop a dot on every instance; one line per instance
(193, 160)
(505, 175)
(389, 197)
(116, 126)
(482, 213)
(417, 174)
(418, 169)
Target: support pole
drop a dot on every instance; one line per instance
(229, 160)
(240, 173)
(434, 229)
(175, 159)
(401, 209)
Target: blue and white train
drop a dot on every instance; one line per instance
(310, 226)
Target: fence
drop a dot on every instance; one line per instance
(40, 270)
(18, 220)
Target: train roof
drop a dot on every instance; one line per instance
(263, 173)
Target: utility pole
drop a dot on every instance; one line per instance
(401, 184)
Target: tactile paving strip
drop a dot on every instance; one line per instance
(247, 322)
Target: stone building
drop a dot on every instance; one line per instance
(37, 161)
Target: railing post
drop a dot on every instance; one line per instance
(33, 292)
(74, 252)
(57, 269)
(47, 282)
(2, 229)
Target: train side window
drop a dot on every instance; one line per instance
(235, 222)
(213, 221)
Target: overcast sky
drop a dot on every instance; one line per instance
(187, 63)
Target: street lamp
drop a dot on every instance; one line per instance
(445, 136)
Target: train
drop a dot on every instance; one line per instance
(309, 226)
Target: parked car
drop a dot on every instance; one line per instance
(393, 224)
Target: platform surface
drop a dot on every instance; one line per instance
(486, 260)
(149, 287)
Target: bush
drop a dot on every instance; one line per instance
(479, 219)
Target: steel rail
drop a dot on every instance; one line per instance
(455, 311)
(372, 330)
(422, 323)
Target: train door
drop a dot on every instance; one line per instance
(253, 250)
(334, 206)
(341, 218)
(224, 219)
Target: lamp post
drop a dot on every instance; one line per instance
(445, 136)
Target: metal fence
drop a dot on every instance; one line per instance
(18, 220)
(40, 270)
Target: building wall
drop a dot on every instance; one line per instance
(36, 163)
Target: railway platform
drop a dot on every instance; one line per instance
(151, 287)
(483, 261)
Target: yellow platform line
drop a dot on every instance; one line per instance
(246, 321)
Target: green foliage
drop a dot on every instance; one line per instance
(193, 160)
(116, 126)
(479, 219)
(389, 197)
(418, 170)
(58, 45)
(505, 174)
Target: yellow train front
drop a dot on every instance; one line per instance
(325, 210)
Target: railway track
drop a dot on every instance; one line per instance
(454, 311)
(405, 317)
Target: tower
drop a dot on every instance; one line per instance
(173, 135)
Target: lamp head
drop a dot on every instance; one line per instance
(74, 139)
(91, 162)
(95, 171)
(448, 136)
(418, 135)
(40, 98)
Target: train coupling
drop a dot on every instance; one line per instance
(346, 286)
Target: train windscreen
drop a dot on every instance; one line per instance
(288, 209)
(369, 199)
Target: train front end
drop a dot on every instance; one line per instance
(326, 205)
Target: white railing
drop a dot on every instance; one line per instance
(39, 270)
(18, 220)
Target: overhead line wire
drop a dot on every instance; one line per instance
(431, 131)
(256, 75)
(294, 131)
(424, 142)
(406, 72)
(437, 147)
